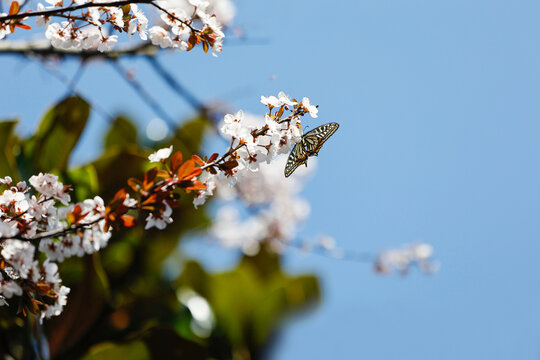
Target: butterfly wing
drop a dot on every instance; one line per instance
(296, 158)
(313, 140)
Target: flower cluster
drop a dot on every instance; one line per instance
(86, 22)
(255, 141)
(156, 193)
(273, 206)
(403, 259)
(27, 216)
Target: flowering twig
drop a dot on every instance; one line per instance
(54, 233)
(44, 49)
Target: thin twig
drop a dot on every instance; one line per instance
(53, 12)
(52, 233)
(337, 253)
(62, 78)
(75, 79)
(143, 94)
(175, 85)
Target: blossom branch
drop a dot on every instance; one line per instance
(54, 12)
(45, 50)
(53, 233)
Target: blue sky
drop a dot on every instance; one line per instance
(440, 122)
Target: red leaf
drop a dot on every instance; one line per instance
(198, 160)
(197, 185)
(176, 161)
(228, 165)
(23, 26)
(213, 157)
(14, 8)
(186, 169)
(149, 178)
(135, 184)
(128, 220)
(119, 198)
(163, 174)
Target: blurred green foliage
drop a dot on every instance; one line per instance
(121, 304)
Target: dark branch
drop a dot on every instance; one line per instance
(59, 11)
(144, 95)
(176, 86)
(53, 233)
(45, 50)
(53, 12)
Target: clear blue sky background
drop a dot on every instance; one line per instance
(439, 108)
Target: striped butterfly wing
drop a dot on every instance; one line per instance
(296, 158)
(313, 140)
(311, 143)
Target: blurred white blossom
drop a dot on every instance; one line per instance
(401, 260)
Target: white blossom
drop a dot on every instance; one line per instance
(160, 36)
(20, 255)
(48, 185)
(107, 43)
(402, 259)
(8, 229)
(7, 180)
(159, 221)
(210, 181)
(57, 307)
(311, 109)
(4, 29)
(279, 209)
(161, 154)
(8, 288)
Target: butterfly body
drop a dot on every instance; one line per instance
(310, 145)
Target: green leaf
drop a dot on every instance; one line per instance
(252, 300)
(8, 143)
(188, 138)
(57, 135)
(164, 343)
(122, 133)
(115, 166)
(86, 181)
(136, 350)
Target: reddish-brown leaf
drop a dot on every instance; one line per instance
(14, 8)
(197, 185)
(163, 174)
(186, 169)
(22, 26)
(198, 160)
(135, 184)
(152, 199)
(228, 165)
(213, 157)
(193, 40)
(149, 178)
(128, 220)
(119, 198)
(195, 172)
(176, 161)
(279, 113)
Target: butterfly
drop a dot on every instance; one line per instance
(311, 143)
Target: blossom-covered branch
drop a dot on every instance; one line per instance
(44, 49)
(85, 23)
(41, 216)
